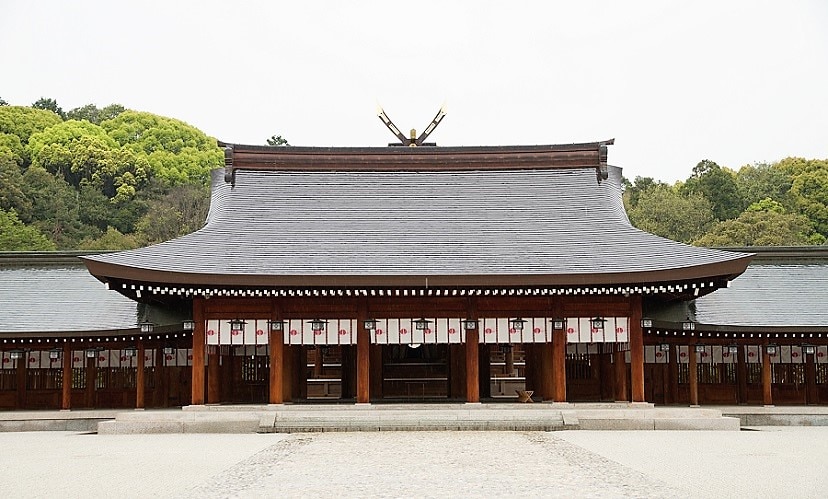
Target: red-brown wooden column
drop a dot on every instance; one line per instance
(66, 389)
(620, 362)
(139, 377)
(811, 395)
(741, 376)
(693, 375)
(636, 350)
(213, 375)
(363, 394)
(472, 364)
(199, 346)
(559, 365)
(276, 369)
(767, 396)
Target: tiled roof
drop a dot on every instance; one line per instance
(60, 298)
(555, 226)
(771, 294)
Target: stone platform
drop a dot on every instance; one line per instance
(289, 418)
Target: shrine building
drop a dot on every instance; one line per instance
(410, 274)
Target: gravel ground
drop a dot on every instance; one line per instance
(774, 462)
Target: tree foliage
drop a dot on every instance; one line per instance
(664, 211)
(24, 121)
(17, 236)
(762, 228)
(277, 141)
(718, 186)
(49, 105)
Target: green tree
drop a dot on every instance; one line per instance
(762, 228)
(810, 189)
(12, 195)
(92, 114)
(277, 140)
(763, 180)
(11, 146)
(82, 151)
(634, 190)
(182, 211)
(663, 211)
(176, 152)
(3, 102)
(50, 105)
(24, 121)
(55, 208)
(112, 239)
(17, 236)
(718, 186)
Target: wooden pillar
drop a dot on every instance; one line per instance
(811, 394)
(287, 373)
(300, 371)
(547, 371)
(363, 395)
(199, 347)
(559, 365)
(636, 350)
(276, 368)
(213, 374)
(693, 376)
(457, 370)
(741, 376)
(140, 384)
(672, 374)
(620, 373)
(161, 378)
(767, 397)
(90, 380)
(66, 387)
(472, 365)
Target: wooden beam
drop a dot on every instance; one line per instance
(66, 388)
(472, 366)
(693, 376)
(199, 346)
(767, 395)
(140, 384)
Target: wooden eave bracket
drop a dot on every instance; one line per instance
(229, 170)
(602, 172)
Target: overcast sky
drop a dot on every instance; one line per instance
(736, 82)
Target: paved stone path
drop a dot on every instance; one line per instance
(773, 462)
(430, 464)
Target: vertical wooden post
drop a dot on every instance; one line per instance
(636, 350)
(741, 376)
(559, 365)
(66, 388)
(276, 369)
(363, 395)
(672, 374)
(139, 377)
(199, 346)
(767, 396)
(300, 371)
(472, 364)
(693, 376)
(213, 374)
(811, 395)
(287, 373)
(484, 367)
(620, 362)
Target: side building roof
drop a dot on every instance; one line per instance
(546, 216)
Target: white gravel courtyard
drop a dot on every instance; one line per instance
(773, 462)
